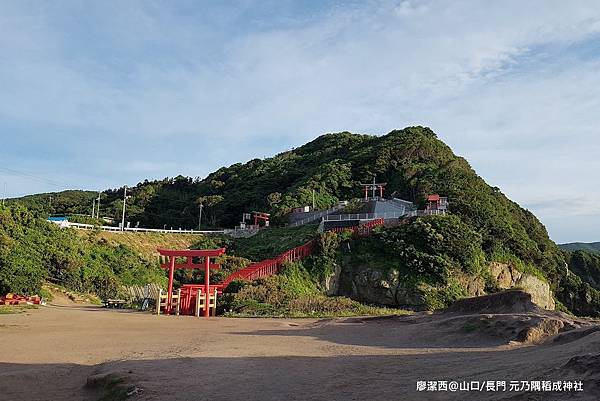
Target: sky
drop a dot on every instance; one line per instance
(97, 95)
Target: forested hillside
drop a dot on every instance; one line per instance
(33, 250)
(65, 202)
(414, 163)
(593, 247)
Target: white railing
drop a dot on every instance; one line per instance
(415, 213)
(81, 226)
(364, 216)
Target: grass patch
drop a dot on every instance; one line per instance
(144, 244)
(271, 242)
(316, 307)
(14, 309)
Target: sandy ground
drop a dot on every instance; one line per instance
(49, 354)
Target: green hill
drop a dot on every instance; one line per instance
(593, 247)
(65, 202)
(414, 163)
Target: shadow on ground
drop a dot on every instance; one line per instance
(350, 377)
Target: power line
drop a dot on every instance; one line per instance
(34, 177)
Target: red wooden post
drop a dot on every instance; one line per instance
(170, 294)
(207, 285)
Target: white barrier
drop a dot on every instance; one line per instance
(82, 226)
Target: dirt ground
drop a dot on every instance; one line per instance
(52, 352)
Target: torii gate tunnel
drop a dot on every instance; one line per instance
(190, 254)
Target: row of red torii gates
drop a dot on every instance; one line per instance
(203, 259)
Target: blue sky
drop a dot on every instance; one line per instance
(100, 94)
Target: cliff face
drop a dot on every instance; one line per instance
(507, 276)
(372, 285)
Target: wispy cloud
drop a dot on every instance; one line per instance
(101, 93)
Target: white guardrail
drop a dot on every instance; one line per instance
(81, 226)
(363, 216)
(386, 215)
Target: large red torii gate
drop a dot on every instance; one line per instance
(190, 254)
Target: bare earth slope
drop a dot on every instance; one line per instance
(51, 353)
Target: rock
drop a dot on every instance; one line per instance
(367, 284)
(507, 277)
(101, 380)
(474, 285)
(500, 303)
(541, 331)
(332, 283)
(540, 291)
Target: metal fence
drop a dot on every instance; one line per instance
(81, 226)
(364, 216)
(415, 213)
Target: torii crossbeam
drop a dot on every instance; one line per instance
(374, 186)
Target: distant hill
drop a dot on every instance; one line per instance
(593, 247)
(59, 203)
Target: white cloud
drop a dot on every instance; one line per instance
(499, 81)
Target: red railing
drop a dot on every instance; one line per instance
(363, 230)
(269, 267)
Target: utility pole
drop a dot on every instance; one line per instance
(200, 215)
(313, 208)
(93, 207)
(4, 195)
(124, 200)
(98, 211)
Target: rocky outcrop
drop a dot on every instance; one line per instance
(331, 284)
(373, 286)
(473, 285)
(507, 276)
(367, 284)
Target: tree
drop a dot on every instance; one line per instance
(210, 202)
(274, 198)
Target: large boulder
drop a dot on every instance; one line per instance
(507, 276)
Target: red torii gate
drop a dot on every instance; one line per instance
(190, 254)
(261, 216)
(373, 187)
